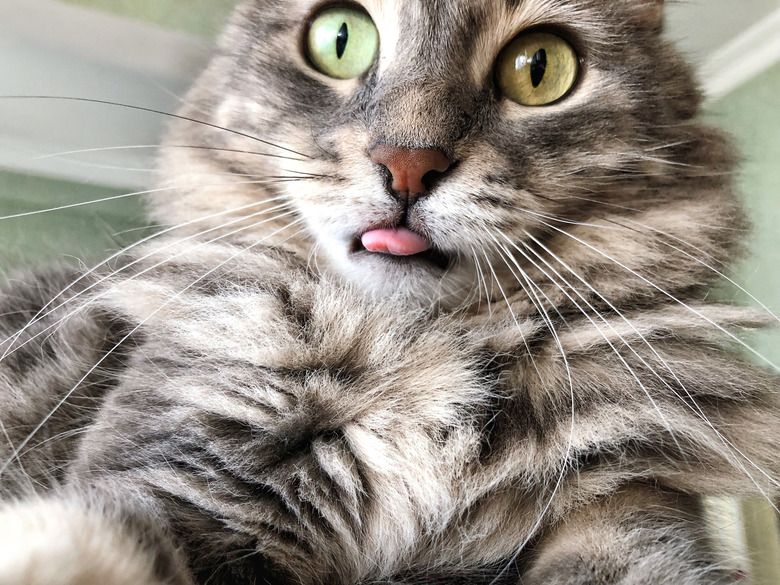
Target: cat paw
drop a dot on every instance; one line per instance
(53, 543)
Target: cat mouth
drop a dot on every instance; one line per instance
(401, 245)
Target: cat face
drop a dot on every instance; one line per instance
(417, 158)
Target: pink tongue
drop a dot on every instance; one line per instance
(398, 242)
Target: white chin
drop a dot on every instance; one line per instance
(388, 276)
(412, 280)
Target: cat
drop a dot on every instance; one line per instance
(445, 319)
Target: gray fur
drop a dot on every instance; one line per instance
(252, 399)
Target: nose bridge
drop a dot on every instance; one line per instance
(425, 113)
(426, 97)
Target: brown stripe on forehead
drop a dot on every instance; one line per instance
(425, 39)
(448, 27)
(421, 98)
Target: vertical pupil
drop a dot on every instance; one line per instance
(538, 67)
(341, 40)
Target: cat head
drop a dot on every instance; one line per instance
(442, 151)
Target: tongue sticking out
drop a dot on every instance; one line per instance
(398, 242)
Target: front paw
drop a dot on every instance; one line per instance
(54, 543)
(639, 536)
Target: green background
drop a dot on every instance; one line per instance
(199, 17)
(751, 114)
(79, 234)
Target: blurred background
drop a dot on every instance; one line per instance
(146, 52)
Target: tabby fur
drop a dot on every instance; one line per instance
(251, 399)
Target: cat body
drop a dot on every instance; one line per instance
(493, 361)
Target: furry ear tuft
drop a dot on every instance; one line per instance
(649, 12)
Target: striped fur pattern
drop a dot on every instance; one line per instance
(251, 398)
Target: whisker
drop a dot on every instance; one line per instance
(720, 328)
(10, 351)
(661, 241)
(693, 406)
(595, 311)
(267, 180)
(16, 457)
(601, 331)
(151, 170)
(306, 175)
(666, 294)
(561, 220)
(569, 446)
(514, 317)
(162, 147)
(638, 211)
(53, 439)
(667, 145)
(705, 265)
(481, 278)
(85, 203)
(130, 247)
(153, 111)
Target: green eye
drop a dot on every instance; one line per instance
(537, 69)
(343, 42)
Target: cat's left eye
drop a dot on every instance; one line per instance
(342, 42)
(537, 69)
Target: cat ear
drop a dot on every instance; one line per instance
(649, 12)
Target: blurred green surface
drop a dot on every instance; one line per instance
(751, 114)
(199, 17)
(79, 234)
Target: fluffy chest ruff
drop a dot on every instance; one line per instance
(335, 439)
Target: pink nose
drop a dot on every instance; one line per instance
(409, 167)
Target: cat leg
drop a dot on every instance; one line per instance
(49, 542)
(637, 537)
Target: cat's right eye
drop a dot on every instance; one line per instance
(537, 69)
(342, 42)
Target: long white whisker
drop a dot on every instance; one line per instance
(705, 318)
(601, 331)
(711, 268)
(92, 300)
(481, 278)
(151, 170)
(8, 351)
(560, 220)
(135, 194)
(694, 406)
(512, 313)
(666, 294)
(128, 248)
(636, 210)
(667, 145)
(159, 147)
(569, 446)
(153, 111)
